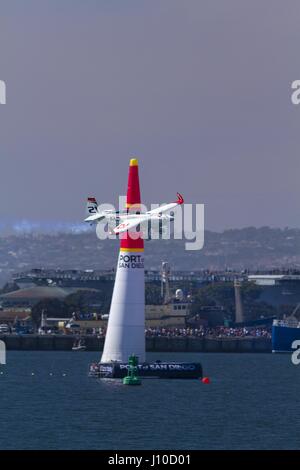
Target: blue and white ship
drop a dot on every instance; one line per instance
(284, 333)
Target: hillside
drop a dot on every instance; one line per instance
(248, 248)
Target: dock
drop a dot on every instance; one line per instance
(153, 344)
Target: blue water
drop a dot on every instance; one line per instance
(251, 403)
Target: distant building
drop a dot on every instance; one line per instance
(90, 277)
(278, 289)
(11, 315)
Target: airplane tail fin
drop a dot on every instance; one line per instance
(91, 206)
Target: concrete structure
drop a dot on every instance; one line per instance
(165, 287)
(153, 344)
(239, 311)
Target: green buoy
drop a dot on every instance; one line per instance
(132, 375)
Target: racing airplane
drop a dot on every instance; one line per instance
(122, 221)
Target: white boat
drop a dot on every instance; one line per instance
(79, 345)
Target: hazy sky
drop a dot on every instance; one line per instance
(198, 90)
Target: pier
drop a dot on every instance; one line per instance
(153, 344)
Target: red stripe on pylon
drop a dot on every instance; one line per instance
(133, 199)
(133, 189)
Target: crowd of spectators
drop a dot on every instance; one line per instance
(208, 332)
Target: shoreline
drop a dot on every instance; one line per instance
(153, 344)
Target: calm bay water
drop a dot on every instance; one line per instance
(251, 403)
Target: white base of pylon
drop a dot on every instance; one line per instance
(126, 325)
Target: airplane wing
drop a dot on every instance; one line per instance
(167, 207)
(129, 223)
(132, 221)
